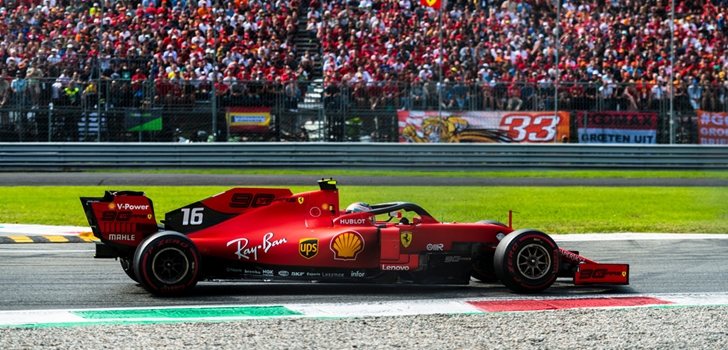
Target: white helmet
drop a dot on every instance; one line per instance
(358, 207)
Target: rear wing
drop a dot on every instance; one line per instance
(120, 218)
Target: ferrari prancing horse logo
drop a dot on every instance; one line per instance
(406, 238)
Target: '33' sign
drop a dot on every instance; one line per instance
(531, 127)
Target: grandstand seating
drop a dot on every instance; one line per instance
(371, 54)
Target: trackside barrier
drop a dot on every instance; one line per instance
(76, 156)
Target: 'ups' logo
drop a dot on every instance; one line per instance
(308, 247)
(347, 245)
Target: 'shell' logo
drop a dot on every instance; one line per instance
(347, 245)
(308, 247)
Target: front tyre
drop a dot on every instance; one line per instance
(527, 261)
(167, 263)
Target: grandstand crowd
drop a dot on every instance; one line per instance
(383, 52)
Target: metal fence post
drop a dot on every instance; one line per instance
(214, 105)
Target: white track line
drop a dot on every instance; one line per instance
(334, 310)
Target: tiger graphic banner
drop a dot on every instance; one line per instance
(483, 126)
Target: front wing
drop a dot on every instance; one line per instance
(592, 272)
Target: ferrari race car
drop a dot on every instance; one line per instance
(273, 234)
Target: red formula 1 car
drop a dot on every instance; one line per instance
(273, 234)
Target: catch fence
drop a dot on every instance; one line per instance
(124, 110)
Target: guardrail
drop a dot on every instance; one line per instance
(76, 156)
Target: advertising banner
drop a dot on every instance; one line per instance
(617, 127)
(246, 119)
(149, 120)
(482, 126)
(712, 128)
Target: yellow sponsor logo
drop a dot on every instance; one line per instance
(406, 238)
(347, 245)
(300, 200)
(308, 247)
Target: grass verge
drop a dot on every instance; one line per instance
(552, 209)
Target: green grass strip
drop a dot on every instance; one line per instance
(551, 209)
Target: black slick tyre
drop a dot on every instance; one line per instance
(526, 261)
(126, 265)
(167, 264)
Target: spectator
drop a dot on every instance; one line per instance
(485, 42)
(695, 93)
(5, 94)
(35, 76)
(71, 93)
(657, 94)
(514, 97)
(19, 87)
(293, 95)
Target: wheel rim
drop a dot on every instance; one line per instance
(534, 261)
(170, 265)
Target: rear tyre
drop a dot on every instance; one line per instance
(167, 264)
(527, 261)
(127, 266)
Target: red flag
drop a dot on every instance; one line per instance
(435, 4)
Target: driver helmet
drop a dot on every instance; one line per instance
(358, 207)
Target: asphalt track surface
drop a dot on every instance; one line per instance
(136, 179)
(57, 276)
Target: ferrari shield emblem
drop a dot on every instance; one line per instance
(300, 200)
(406, 238)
